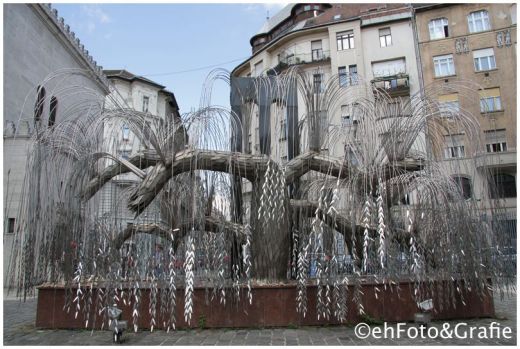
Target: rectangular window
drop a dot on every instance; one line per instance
(345, 40)
(10, 225)
(342, 74)
(496, 147)
(259, 67)
(454, 146)
(346, 120)
(454, 152)
(438, 28)
(490, 100)
(484, 59)
(317, 51)
(449, 105)
(478, 21)
(348, 114)
(385, 37)
(495, 140)
(352, 73)
(146, 103)
(318, 83)
(444, 65)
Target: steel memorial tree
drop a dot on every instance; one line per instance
(231, 217)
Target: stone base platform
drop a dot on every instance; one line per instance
(273, 306)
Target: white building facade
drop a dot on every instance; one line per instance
(158, 106)
(37, 45)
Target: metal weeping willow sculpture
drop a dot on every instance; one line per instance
(200, 210)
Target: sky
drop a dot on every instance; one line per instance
(156, 40)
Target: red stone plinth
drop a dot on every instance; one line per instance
(272, 306)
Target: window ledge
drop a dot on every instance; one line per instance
(485, 71)
(480, 31)
(445, 76)
(492, 112)
(451, 159)
(437, 39)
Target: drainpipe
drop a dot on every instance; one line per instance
(418, 60)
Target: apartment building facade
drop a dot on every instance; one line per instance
(475, 45)
(158, 106)
(403, 50)
(357, 42)
(368, 47)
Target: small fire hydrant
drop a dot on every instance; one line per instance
(117, 326)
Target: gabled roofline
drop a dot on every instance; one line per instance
(125, 75)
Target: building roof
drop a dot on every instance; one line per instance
(367, 12)
(278, 18)
(50, 14)
(126, 75)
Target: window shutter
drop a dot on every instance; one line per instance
(384, 31)
(495, 135)
(388, 68)
(454, 97)
(454, 140)
(483, 53)
(490, 92)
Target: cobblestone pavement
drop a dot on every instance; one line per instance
(19, 330)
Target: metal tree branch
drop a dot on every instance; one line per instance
(211, 224)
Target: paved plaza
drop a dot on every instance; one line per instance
(19, 330)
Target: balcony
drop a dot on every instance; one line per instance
(394, 85)
(285, 61)
(497, 160)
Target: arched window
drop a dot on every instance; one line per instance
(464, 185)
(438, 28)
(53, 111)
(40, 101)
(503, 185)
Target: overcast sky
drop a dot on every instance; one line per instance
(155, 40)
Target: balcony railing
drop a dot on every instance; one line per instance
(394, 85)
(288, 60)
(496, 160)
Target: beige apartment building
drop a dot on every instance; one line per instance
(365, 46)
(402, 49)
(474, 45)
(358, 42)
